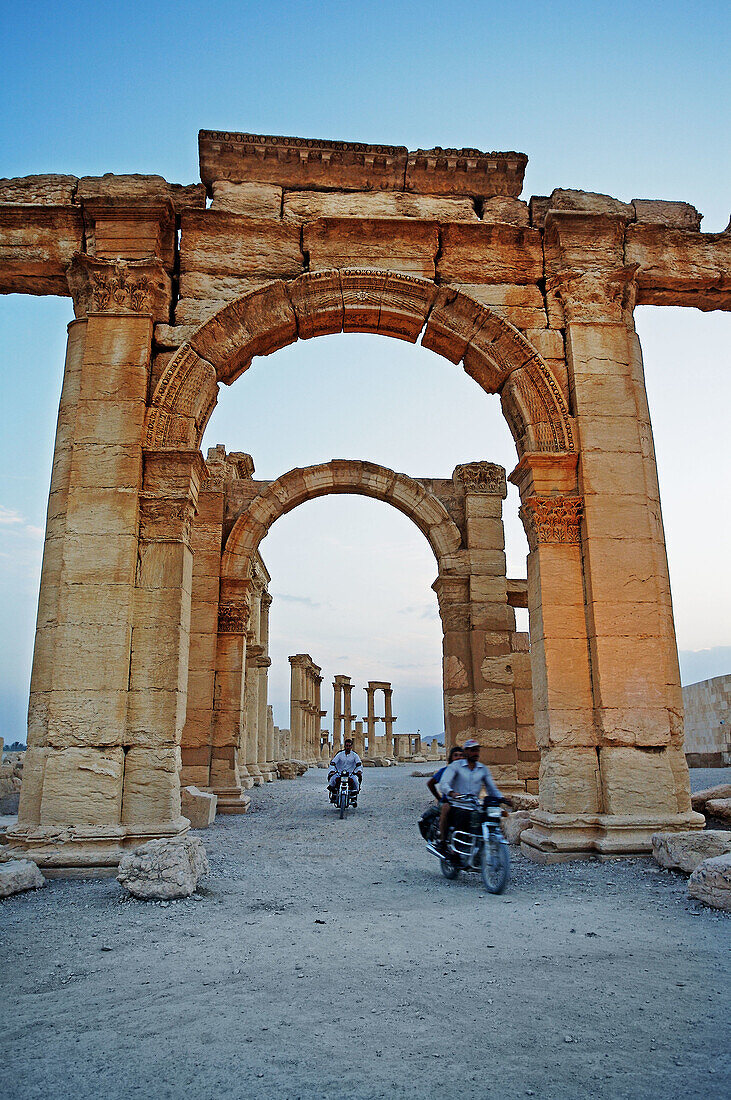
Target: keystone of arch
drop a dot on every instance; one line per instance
(491, 350)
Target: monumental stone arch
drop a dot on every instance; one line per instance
(151, 577)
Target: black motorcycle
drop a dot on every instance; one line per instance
(474, 841)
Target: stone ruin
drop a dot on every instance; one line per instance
(150, 653)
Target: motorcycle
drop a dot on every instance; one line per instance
(474, 842)
(344, 795)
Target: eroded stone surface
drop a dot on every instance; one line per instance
(198, 806)
(164, 869)
(17, 875)
(684, 851)
(711, 882)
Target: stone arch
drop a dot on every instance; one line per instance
(339, 476)
(450, 323)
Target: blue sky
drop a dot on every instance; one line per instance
(628, 99)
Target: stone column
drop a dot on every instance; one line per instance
(251, 707)
(348, 716)
(337, 712)
(229, 777)
(371, 718)
(297, 703)
(359, 740)
(389, 720)
(453, 591)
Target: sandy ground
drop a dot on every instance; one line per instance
(331, 959)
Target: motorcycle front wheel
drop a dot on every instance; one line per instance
(343, 804)
(449, 870)
(494, 865)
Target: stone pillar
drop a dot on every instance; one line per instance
(297, 706)
(228, 777)
(622, 757)
(348, 716)
(251, 706)
(389, 720)
(370, 718)
(491, 622)
(359, 740)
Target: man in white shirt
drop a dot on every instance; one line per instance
(350, 763)
(466, 777)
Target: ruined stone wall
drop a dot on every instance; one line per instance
(707, 706)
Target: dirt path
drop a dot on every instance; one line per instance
(331, 959)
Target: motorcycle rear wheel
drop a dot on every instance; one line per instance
(494, 865)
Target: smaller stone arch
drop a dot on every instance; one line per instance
(339, 476)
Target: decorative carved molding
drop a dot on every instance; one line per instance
(110, 286)
(482, 477)
(552, 519)
(233, 618)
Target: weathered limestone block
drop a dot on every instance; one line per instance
(134, 187)
(522, 306)
(711, 882)
(37, 244)
(509, 211)
(719, 807)
(43, 190)
(304, 206)
(465, 172)
(632, 777)
(589, 202)
(151, 786)
(408, 246)
(485, 253)
(685, 851)
(700, 798)
(514, 824)
(680, 267)
(674, 215)
(569, 781)
(221, 243)
(164, 869)
(9, 789)
(82, 786)
(17, 875)
(198, 806)
(254, 200)
(523, 801)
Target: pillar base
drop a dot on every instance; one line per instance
(556, 837)
(78, 846)
(232, 800)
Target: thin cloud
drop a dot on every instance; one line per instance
(9, 516)
(286, 598)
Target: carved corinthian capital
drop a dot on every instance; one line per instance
(233, 618)
(111, 286)
(482, 477)
(552, 519)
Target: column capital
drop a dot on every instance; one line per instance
(482, 477)
(233, 618)
(552, 520)
(118, 287)
(585, 264)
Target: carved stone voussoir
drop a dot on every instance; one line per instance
(482, 477)
(109, 286)
(552, 520)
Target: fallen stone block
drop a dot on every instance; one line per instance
(164, 869)
(514, 824)
(684, 851)
(198, 806)
(711, 882)
(699, 799)
(18, 875)
(524, 801)
(719, 807)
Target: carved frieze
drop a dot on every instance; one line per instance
(552, 520)
(482, 477)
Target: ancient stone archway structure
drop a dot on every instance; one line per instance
(305, 238)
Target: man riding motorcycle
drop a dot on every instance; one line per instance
(348, 762)
(465, 777)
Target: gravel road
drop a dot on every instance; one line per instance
(330, 959)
